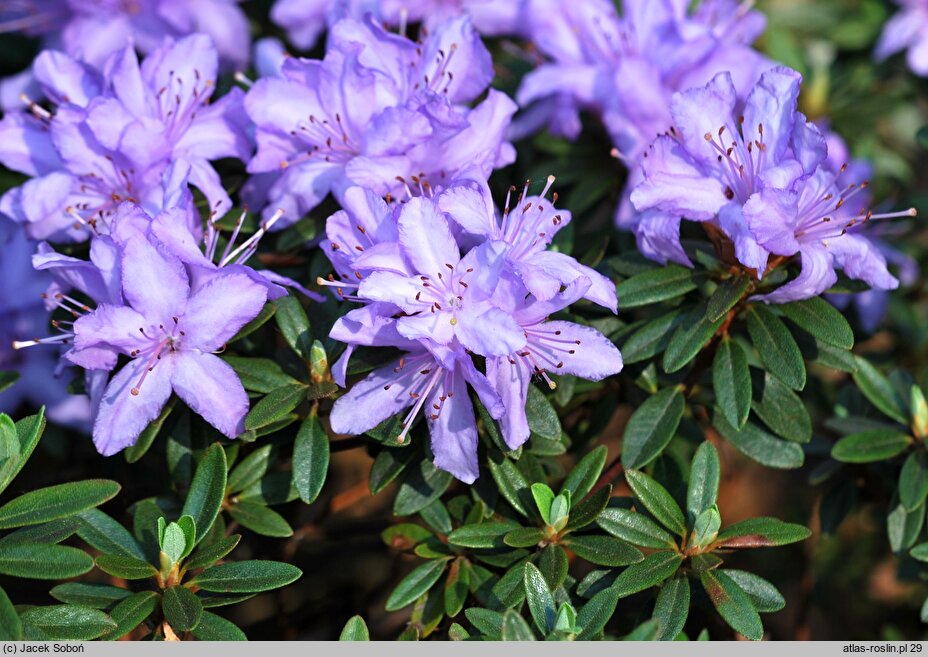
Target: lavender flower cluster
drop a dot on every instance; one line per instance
(403, 134)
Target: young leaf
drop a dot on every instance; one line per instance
(822, 320)
(761, 532)
(355, 630)
(706, 527)
(636, 528)
(731, 380)
(65, 622)
(539, 598)
(28, 432)
(310, 459)
(207, 490)
(56, 502)
(415, 584)
(603, 550)
(869, 446)
(776, 346)
(182, 608)
(655, 568)
(733, 604)
(9, 441)
(247, 576)
(544, 496)
(651, 427)
(656, 285)
(703, 488)
(672, 607)
(657, 500)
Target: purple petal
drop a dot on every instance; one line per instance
(658, 237)
(112, 326)
(390, 287)
(816, 276)
(546, 272)
(747, 250)
(65, 80)
(469, 204)
(154, 281)
(702, 111)
(488, 332)
(383, 394)
(211, 388)
(860, 259)
(426, 237)
(25, 145)
(594, 357)
(454, 433)
(771, 216)
(772, 103)
(511, 379)
(219, 309)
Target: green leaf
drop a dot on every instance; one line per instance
(515, 628)
(415, 584)
(293, 324)
(422, 486)
(247, 576)
(249, 470)
(869, 446)
(593, 616)
(260, 374)
(173, 542)
(509, 591)
(310, 459)
(821, 320)
(651, 427)
(776, 346)
(757, 444)
(764, 595)
(105, 534)
(125, 567)
(131, 612)
(539, 598)
(486, 621)
(652, 338)
(920, 552)
(207, 490)
(688, 339)
(726, 295)
(542, 418)
(7, 378)
(544, 496)
(355, 630)
(731, 380)
(263, 317)
(28, 432)
(11, 627)
(656, 285)
(56, 502)
(903, 527)
(589, 510)
(389, 464)
(144, 442)
(210, 554)
(46, 533)
(512, 484)
(275, 406)
(913, 480)
(457, 587)
(260, 519)
(98, 596)
(879, 391)
(703, 488)
(524, 537)
(181, 608)
(216, 628)
(9, 441)
(761, 532)
(552, 562)
(657, 500)
(585, 474)
(706, 528)
(782, 410)
(672, 607)
(655, 568)
(64, 622)
(36, 561)
(603, 550)
(636, 528)
(733, 604)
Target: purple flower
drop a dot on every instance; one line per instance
(22, 313)
(93, 30)
(305, 20)
(169, 333)
(378, 111)
(626, 67)
(555, 347)
(762, 181)
(907, 30)
(114, 134)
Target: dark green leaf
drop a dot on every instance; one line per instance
(652, 338)
(903, 527)
(539, 598)
(98, 596)
(144, 442)
(782, 410)
(125, 567)
(822, 320)
(482, 535)
(585, 474)
(181, 608)
(56, 502)
(764, 595)
(36, 561)
(657, 500)
(603, 550)
(207, 490)
(636, 528)
(421, 487)
(275, 406)
(588, 510)
(761, 532)
(524, 537)
(515, 628)
(920, 552)
(47, 533)
(249, 470)
(7, 379)
(415, 584)
(731, 380)
(757, 444)
(733, 604)
(655, 568)
(552, 562)
(542, 418)
(726, 295)
(11, 627)
(247, 576)
(457, 587)
(879, 391)
(651, 427)
(293, 324)
(703, 488)
(487, 621)
(869, 446)
(131, 612)
(512, 485)
(656, 285)
(688, 339)
(509, 591)
(310, 459)
(776, 346)
(216, 628)
(593, 616)
(388, 465)
(355, 630)
(260, 519)
(102, 532)
(64, 622)
(913, 480)
(260, 374)
(672, 607)
(210, 554)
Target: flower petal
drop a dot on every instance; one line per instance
(383, 394)
(426, 237)
(454, 432)
(219, 309)
(153, 281)
(211, 388)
